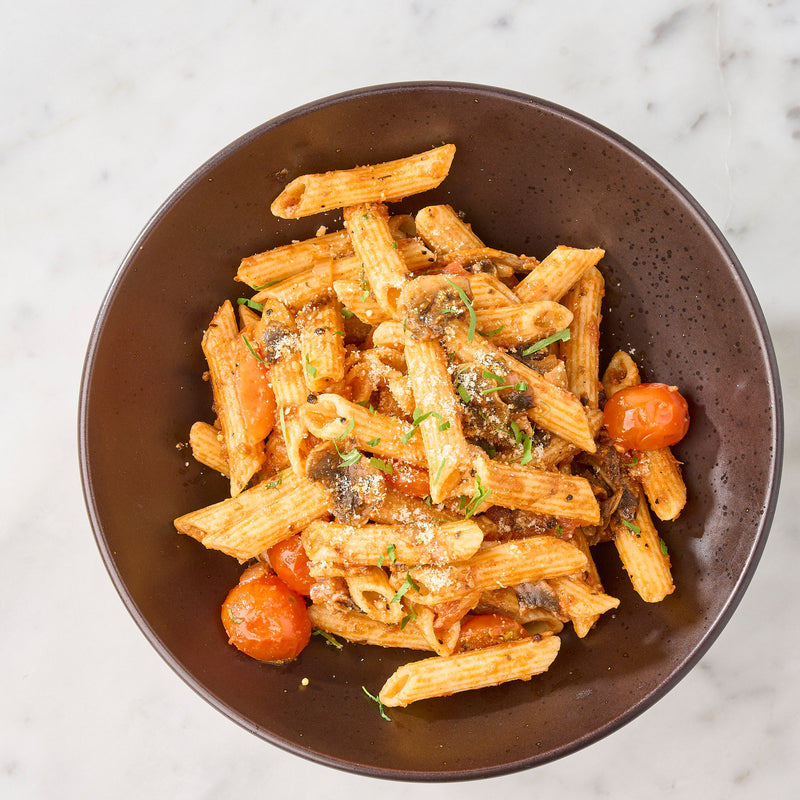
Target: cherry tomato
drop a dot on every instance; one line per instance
(455, 268)
(288, 558)
(409, 479)
(254, 391)
(485, 630)
(646, 417)
(266, 620)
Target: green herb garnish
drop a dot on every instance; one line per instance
(407, 584)
(275, 484)
(372, 696)
(408, 618)
(481, 493)
(560, 336)
(282, 420)
(347, 430)
(380, 464)
(265, 285)
(439, 471)
(463, 393)
(347, 313)
(364, 288)
(310, 368)
(491, 333)
(244, 301)
(527, 456)
(329, 638)
(348, 459)
(374, 442)
(663, 546)
(630, 526)
(253, 352)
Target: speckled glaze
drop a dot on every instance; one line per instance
(528, 176)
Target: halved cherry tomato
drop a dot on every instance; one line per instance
(288, 558)
(409, 479)
(485, 630)
(454, 268)
(265, 619)
(646, 417)
(254, 391)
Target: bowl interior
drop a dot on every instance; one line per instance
(528, 176)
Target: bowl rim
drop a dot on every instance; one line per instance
(714, 628)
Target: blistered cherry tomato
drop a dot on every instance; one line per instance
(288, 558)
(265, 619)
(251, 379)
(409, 479)
(646, 417)
(485, 630)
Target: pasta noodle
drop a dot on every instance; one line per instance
(420, 418)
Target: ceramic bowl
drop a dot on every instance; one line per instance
(528, 175)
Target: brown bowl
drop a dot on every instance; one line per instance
(529, 175)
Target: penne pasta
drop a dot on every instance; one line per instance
(556, 275)
(377, 183)
(490, 666)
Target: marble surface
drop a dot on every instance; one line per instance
(107, 107)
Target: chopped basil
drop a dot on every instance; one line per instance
(407, 584)
(372, 696)
(408, 618)
(439, 471)
(244, 301)
(527, 456)
(329, 638)
(516, 432)
(559, 530)
(347, 313)
(374, 442)
(265, 285)
(663, 546)
(463, 393)
(560, 336)
(347, 430)
(253, 352)
(491, 333)
(364, 288)
(310, 368)
(493, 376)
(282, 420)
(348, 459)
(275, 484)
(473, 320)
(481, 493)
(380, 464)
(521, 386)
(630, 526)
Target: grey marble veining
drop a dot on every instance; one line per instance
(107, 108)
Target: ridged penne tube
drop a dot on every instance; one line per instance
(583, 623)
(357, 627)
(356, 298)
(444, 231)
(581, 352)
(555, 409)
(384, 268)
(367, 545)
(488, 292)
(578, 600)
(246, 525)
(322, 352)
(553, 278)
(640, 550)
(540, 620)
(514, 325)
(207, 448)
(389, 181)
(330, 416)
(446, 449)
(287, 260)
(304, 287)
(437, 584)
(370, 590)
(527, 560)
(522, 487)
(441, 676)
(659, 473)
(244, 458)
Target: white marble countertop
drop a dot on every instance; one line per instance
(107, 107)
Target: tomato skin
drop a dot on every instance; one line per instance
(646, 417)
(288, 558)
(485, 630)
(254, 391)
(408, 479)
(266, 620)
